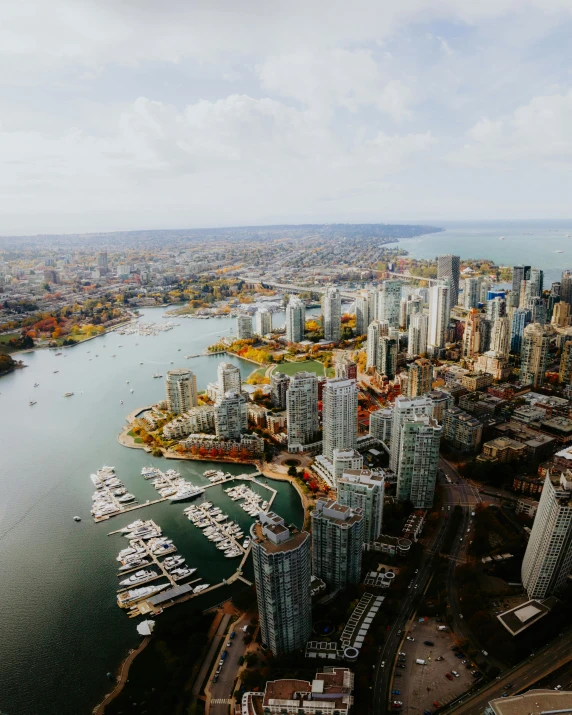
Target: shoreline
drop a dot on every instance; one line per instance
(121, 677)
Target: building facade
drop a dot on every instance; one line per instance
(534, 355)
(302, 409)
(295, 320)
(448, 268)
(417, 460)
(181, 388)
(417, 336)
(332, 312)
(420, 378)
(339, 415)
(364, 489)
(231, 415)
(463, 431)
(279, 384)
(263, 322)
(244, 326)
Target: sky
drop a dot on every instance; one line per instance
(124, 114)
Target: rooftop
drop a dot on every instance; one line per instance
(296, 538)
(519, 618)
(533, 702)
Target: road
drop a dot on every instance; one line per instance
(222, 690)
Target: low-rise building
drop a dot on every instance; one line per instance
(328, 694)
(476, 381)
(527, 506)
(479, 403)
(527, 485)
(502, 449)
(462, 430)
(196, 420)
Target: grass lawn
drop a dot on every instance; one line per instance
(4, 347)
(291, 368)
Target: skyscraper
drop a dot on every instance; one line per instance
(566, 287)
(501, 336)
(332, 311)
(388, 301)
(387, 363)
(520, 319)
(519, 274)
(438, 317)
(376, 330)
(339, 416)
(496, 308)
(102, 263)
(380, 425)
(345, 367)
(263, 321)
(403, 409)
(231, 418)
(244, 326)
(364, 489)
(417, 337)
(537, 308)
(182, 393)
(337, 543)
(420, 382)
(548, 558)
(279, 384)
(534, 355)
(281, 560)
(472, 334)
(228, 378)
(302, 409)
(295, 320)
(565, 372)
(561, 315)
(417, 460)
(448, 268)
(362, 313)
(471, 293)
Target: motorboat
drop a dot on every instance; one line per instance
(138, 577)
(187, 492)
(68, 394)
(77, 518)
(201, 587)
(32, 403)
(137, 594)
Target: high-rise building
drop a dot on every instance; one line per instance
(339, 416)
(279, 384)
(448, 268)
(302, 409)
(228, 378)
(472, 334)
(471, 293)
(374, 332)
(420, 374)
(463, 431)
(519, 274)
(282, 573)
(496, 308)
(182, 393)
(439, 310)
(561, 315)
(389, 297)
(263, 321)
(501, 336)
(345, 459)
(548, 558)
(332, 312)
(565, 372)
(520, 319)
(244, 326)
(380, 425)
(534, 355)
(387, 362)
(486, 334)
(537, 308)
(362, 313)
(337, 543)
(417, 338)
(417, 460)
(403, 315)
(405, 408)
(364, 489)
(346, 368)
(566, 287)
(295, 320)
(231, 416)
(102, 263)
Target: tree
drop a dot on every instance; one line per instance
(292, 471)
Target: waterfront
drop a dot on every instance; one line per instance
(60, 628)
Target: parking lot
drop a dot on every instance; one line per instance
(421, 686)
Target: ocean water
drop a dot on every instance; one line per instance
(60, 628)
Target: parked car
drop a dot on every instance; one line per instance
(387, 628)
(232, 635)
(215, 679)
(401, 653)
(429, 643)
(448, 676)
(396, 692)
(397, 675)
(229, 644)
(455, 673)
(401, 665)
(409, 638)
(436, 704)
(440, 658)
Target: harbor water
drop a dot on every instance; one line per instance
(60, 628)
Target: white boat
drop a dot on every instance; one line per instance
(157, 375)
(126, 498)
(32, 403)
(246, 543)
(134, 564)
(200, 588)
(77, 518)
(138, 577)
(68, 394)
(36, 384)
(187, 492)
(137, 594)
(181, 573)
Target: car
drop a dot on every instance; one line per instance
(232, 635)
(426, 712)
(387, 628)
(448, 676)
(454, 672)
(440, 658)
(429, 643)
(401, 665)
(459, 655)
(223, 655)
(436, 704)
(401, 658)
(409, 638)
(475, 673)
(396, 692)
(409, 586)
(558, 687)
(383, 664)
(504, 695)
(397, 675)
(398, 703)
(416, 570)
(215, 679)
(399, 632)
(461, 616)
(229, 644)
(401, 653)
(218, 670)
(464, 662)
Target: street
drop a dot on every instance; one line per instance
(222, 690)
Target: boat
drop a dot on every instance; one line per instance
(140, 363)
(131, 390)
(157, 375)
(246, 544)
(138, 577)
(201, 588)
(134, 564)
(36, 384)
(126, 498)
(77, 518)
(187, 492)
(32, 403)
(55, 371)
(501, 238)
(68, 394)
(558, 251)
(58, 354)
(180, 574)
(121, 401)
(137, 594)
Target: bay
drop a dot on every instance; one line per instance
(60, 628)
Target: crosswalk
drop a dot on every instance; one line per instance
(220, 701)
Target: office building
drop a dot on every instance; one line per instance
(380, 425)
(439, 311)
(362, 313)
(534, 355)
(496, 308)
(537, 308)
(561, 315)
(387, 362)
(228, 378)
(565, 372)
(461, 430)
(417, 338)
(263, 321)
(332, 312)
(388, 300)
(405, 408)
(520, 319)
(471, 293)
(282, 573)
(295, 320)
(244, 326)
(448, 269)
(420, 378)
(472, 334)
(339, 416)
(302, 409)
(417, 460)
(566, 287)
(501, 336)
(548, 558)
(182, 393)
(364, 489)
(519, 274)
(102, 263)
(231, 415)
(279, 384)
(337, 543)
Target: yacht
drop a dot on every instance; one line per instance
(32, 403)
(172, 562)
(157, 375)
(36, 384)
(134, 525)
(189, 491)
(131, 390)
(68, 394)
(121, 401)
(126, 498)
(201, 588)
(55, 371)
(246, 543)
(77, 518)
(138, 577)
(179, 574)
(137, 594)
(134, 564)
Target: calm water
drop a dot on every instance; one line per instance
(60, 630)
(481, 240)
